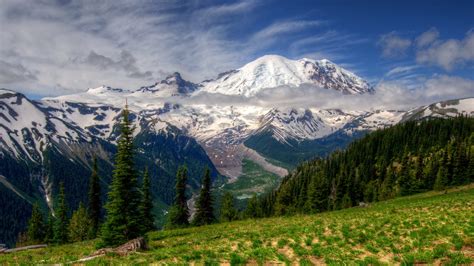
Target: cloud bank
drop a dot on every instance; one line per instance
(392, 95)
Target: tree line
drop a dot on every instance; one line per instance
(405, 159)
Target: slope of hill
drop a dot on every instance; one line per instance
(430, 228)
(407, 158)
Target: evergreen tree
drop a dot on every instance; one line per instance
(179, 212)
(470, 164)
(404, 179)
(387, 189)
(61, 227)
(228, 210)
(123, 217)
(317, 194)
(346, 201)
(146, 205)
(253, 209)
(80, 225)
(417, 180)
(461, 163)
(49, 232)
(204, 211)
(442, 179)
(282, 203)
(36, 228)
(95, 205)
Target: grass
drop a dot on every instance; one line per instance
(429, 228)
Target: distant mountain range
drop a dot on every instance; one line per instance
(54, 139)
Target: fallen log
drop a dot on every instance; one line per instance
(25, 248)
(133, 245)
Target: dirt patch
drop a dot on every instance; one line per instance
(316, 261)
(287, 252)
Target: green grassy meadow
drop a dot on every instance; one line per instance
(430, 228)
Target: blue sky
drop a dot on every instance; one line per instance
(61, 47)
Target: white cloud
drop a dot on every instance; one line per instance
(329, 44)
(228, 9)
(393, 45)
(448, 54)
(285, 27)
(401, 70)
(393, 95)
(427, 37)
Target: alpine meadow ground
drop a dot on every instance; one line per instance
(428, 228)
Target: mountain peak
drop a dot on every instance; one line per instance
(172, 85)
(174, 78)
(270, 71)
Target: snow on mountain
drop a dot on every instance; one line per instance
(26, 129)
(310, 124)
(147, 97)
(450, 108)
(96, 119)
(273, 71)
(173, 85)
(292, 123)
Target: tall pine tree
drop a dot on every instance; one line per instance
(95, 205)
(179, 212)
(204, 211)
(228, 210)
(146, 205)
(253, 209)
(80, 225)
(317, 194)
(62, 221)
(36, 226)
(49, 231)
(123, 217)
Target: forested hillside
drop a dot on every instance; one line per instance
(405, 159)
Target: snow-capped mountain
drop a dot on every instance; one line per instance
(222, 129)
(144, 98)
(273, 71)
(26, 128)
